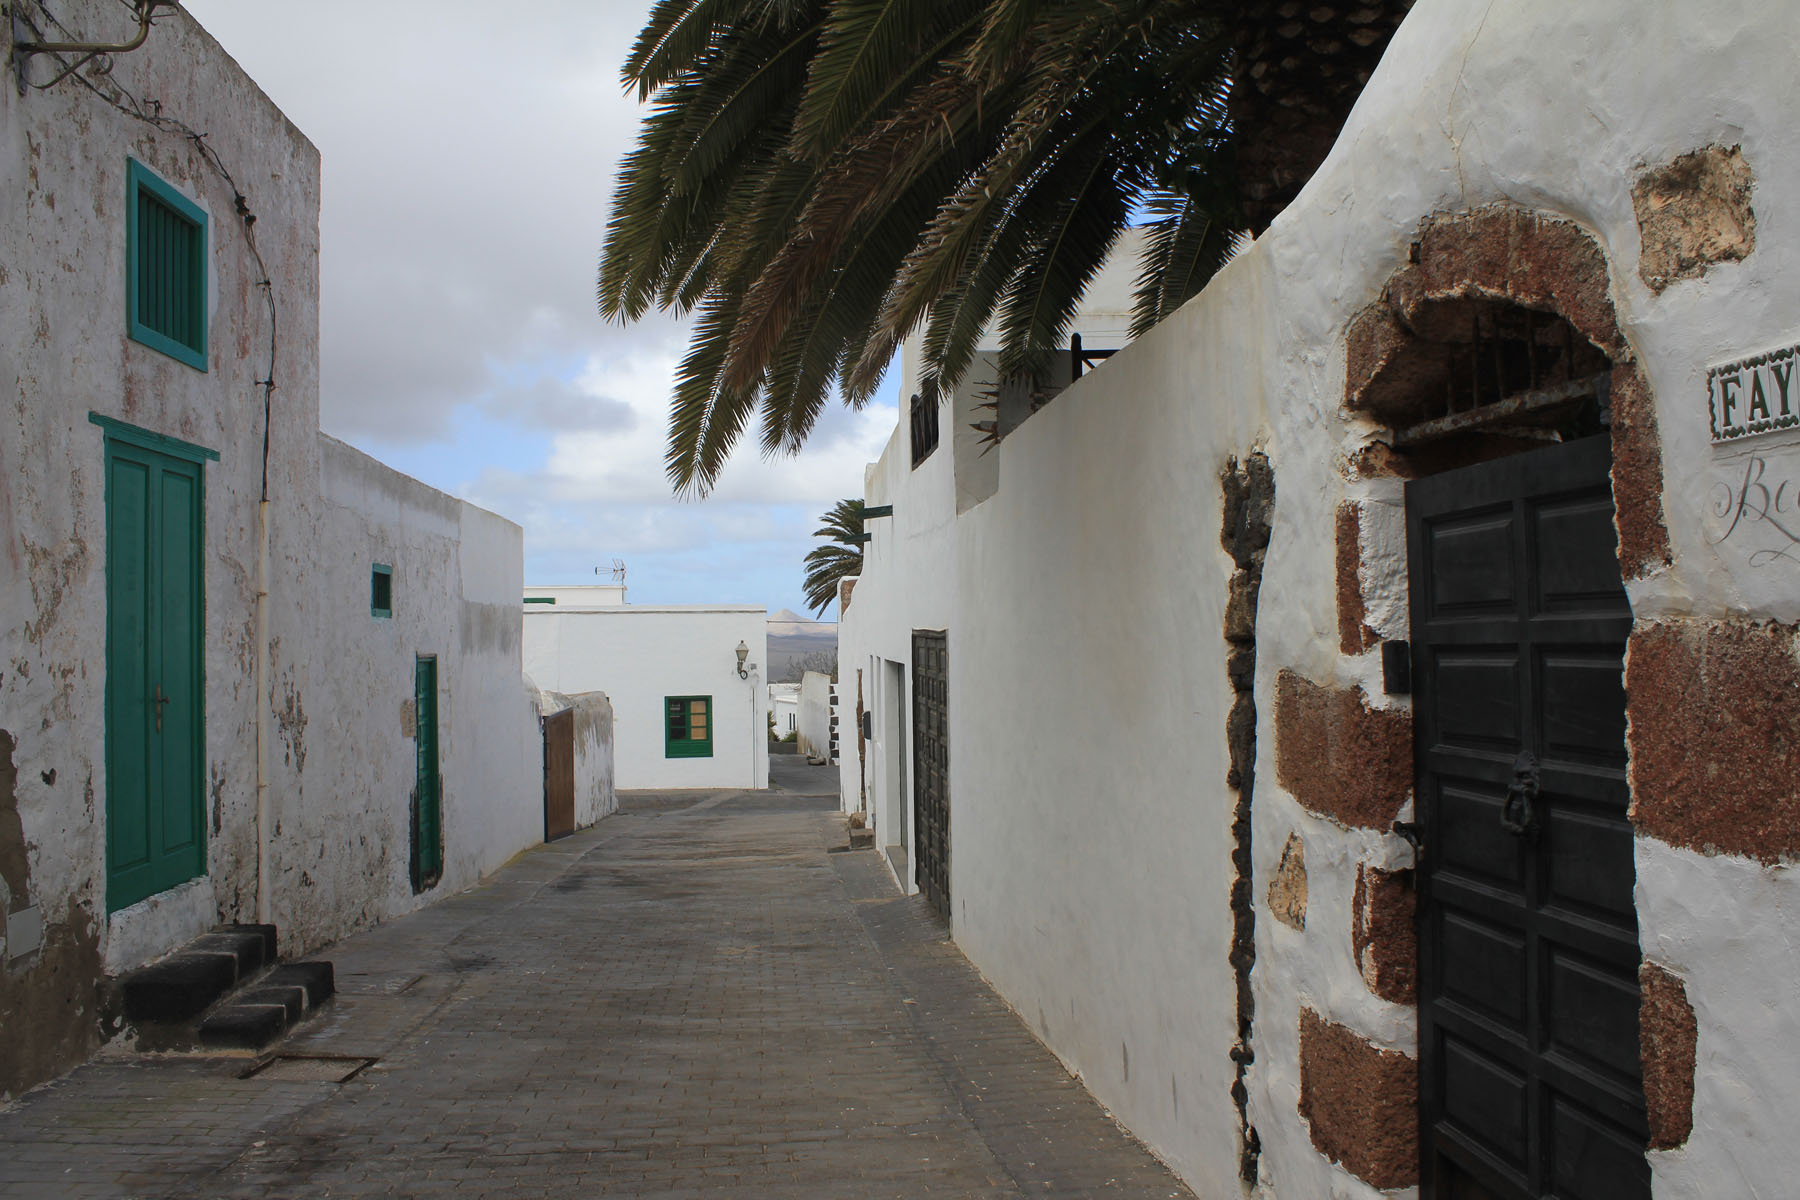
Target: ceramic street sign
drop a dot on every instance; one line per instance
(1754, 395)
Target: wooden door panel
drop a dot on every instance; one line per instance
(155, 737)
(1529, 1068)
(175, 718)
(559, 774)
(128, 790)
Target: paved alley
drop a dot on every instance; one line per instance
(701, 996)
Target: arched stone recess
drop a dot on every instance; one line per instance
(1499, 304)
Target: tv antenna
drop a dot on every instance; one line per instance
(618, 570)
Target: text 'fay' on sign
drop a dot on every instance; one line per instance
(1754, 395)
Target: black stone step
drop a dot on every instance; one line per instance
(263, 1011)
(316, 977)
(183, 985)
(243, 1026)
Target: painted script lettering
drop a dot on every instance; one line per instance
(1761, 508)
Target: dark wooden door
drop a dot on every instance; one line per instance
(1530, 1077)
(559, 774)
(155, 747)
(428, 810)
(931, 768)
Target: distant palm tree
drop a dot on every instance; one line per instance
(839, 558)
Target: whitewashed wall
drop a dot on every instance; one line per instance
(345, 826)
(817, 708)
(1089, 867)
(581, 595)
(595, 793)
(640, 655)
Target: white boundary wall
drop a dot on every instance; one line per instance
(1083, 600)
(817, 707)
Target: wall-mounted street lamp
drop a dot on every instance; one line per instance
(743, 652)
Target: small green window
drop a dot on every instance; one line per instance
(381, 590)
(540, 599)
(165, 253)
(687, 727)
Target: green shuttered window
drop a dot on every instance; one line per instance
(165, 249)
(687, 727)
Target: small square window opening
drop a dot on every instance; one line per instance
(381, 590)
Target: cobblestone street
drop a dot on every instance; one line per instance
(699, 996)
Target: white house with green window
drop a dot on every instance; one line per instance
(247, 673)
(690, 707)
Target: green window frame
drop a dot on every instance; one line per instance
(166, 278)
(687, 726)
(540, 599)
(381, 590)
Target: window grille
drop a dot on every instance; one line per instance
(165, 239)
(924, 425)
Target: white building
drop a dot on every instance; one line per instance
(690, 708)
(250, 673)
(1138, 693)
(784, 706)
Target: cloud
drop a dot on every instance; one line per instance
(550, 403)
(468, 154)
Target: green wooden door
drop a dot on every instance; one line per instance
(428, 818)
(155, 743)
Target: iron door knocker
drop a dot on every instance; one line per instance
(1518, 815)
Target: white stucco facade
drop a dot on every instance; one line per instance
(313, 833)
(1083, 599)
(642, 656)
(818, 715)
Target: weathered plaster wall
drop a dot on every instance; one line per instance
(1090, 873)
(595, 793)
(64, 353)
(641, 654)
(332, 707)
(343, 858)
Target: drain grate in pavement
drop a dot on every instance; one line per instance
(309, 1068)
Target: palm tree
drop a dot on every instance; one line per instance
(818, 179)
(839, 558)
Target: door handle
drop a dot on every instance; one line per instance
(158, 701)
(1518, 813)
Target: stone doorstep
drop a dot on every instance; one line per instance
(183, 985)
(189, 996)
(261, 1012)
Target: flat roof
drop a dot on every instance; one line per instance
(551, 610)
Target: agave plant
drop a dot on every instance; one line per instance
(818, 179)
(839, 558)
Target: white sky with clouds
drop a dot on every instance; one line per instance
(469, 152)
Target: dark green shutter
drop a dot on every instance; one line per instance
(167, 282)
(428, 819)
